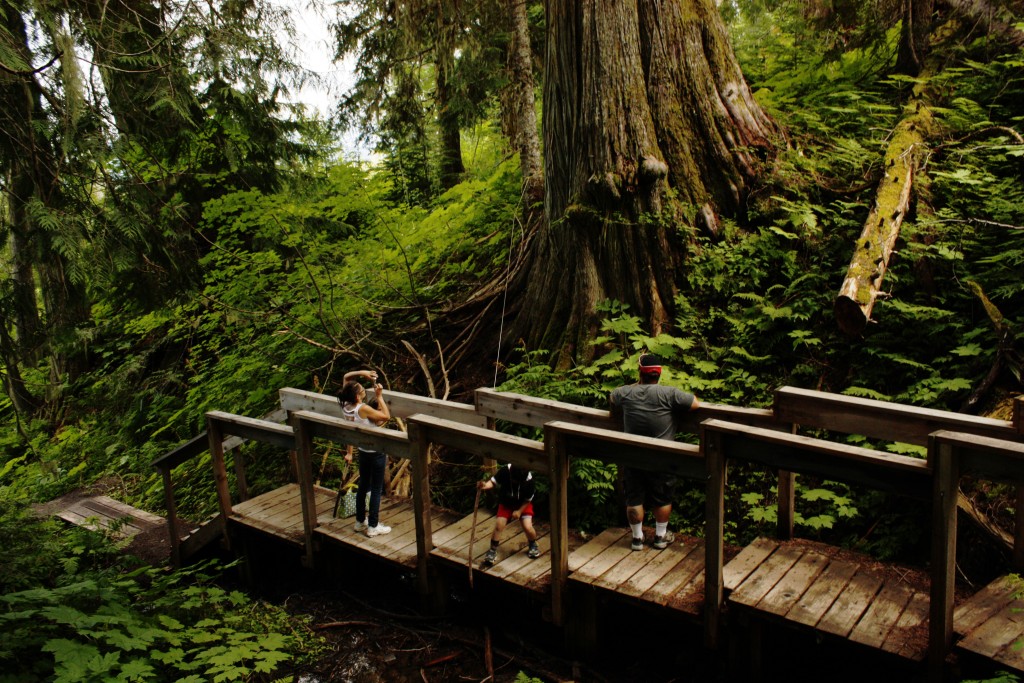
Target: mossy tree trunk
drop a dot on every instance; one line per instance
(519, 114)
(650, 132)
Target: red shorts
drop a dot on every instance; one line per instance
(507, 512)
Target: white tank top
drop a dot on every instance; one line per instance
(351, 413)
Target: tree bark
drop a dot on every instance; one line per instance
(649, 131)
(519, 103)
(917, 24)
(451, 167)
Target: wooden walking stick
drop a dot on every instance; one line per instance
(472, 537)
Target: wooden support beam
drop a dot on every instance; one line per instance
(558, 477)
(172, 517)
(713, 451)
(1018, 414)
(945, 484)
(220, 474)
(420, 457)
(307, 494)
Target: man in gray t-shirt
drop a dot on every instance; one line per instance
(650, 409)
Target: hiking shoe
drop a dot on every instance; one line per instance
(662, 542)
(491, 556)
(638, 543)
(533, 553)
(378, 530)
(360, 526)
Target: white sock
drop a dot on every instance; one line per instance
(660, 528)
(638, 529)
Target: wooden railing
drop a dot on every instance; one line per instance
(165, 464)
(956, 444)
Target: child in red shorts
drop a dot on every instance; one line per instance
(516, 489)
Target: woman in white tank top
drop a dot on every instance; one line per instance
(371, 463)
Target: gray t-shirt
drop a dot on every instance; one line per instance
(651, 409)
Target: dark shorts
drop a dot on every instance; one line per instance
(506, 512)
(652, 489)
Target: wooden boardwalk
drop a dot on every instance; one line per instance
(802, 584)
(825, 591)
(991, 623)
(805, 585)
(102, 513)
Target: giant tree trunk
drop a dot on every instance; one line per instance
(519, 103)
(640, 99)
(917, 24)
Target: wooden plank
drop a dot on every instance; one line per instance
(401, 405)
(125, 510)
(456, 546)
(881, 616)
(595, 546)
(788, 591)
(1001, 631)
(764, 578)
(689, 569)
(626, 568)
(902, 640)
(817, 600)
(293, 538)
(663, 563)
(740, 567)
(878, 419)
(536, 412)
(850, 604)
(987, 602)
(484, 442)
(993, 459)
(253, 429)
(1012, 655)
(369, 437)
(630, 450)
(601, 563)
(445, 535)
(519, 568)
(842, 462)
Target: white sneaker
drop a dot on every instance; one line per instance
(378, 530)
(360, 526)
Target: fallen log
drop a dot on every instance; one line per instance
(877, 240)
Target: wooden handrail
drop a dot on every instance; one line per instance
(401, 406)
(953, 455)
(722, 441)
(391, 441)
(629, 450)
(483, 442)
(880, 419)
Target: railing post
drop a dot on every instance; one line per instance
(945, 485)
(220, 475)
(172, 516)
(240, 482)
(787, 498)
(419, 454)
(307, 494)
(1018, 520)
(558, 466)
(712, 448)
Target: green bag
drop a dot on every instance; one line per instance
(345, 504)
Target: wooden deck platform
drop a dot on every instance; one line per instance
(102, 513)
(673, 577)
(991, 623)
(805, 585)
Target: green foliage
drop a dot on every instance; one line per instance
(77, 615)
